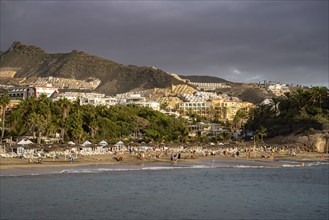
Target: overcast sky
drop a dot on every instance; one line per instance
(243, 41)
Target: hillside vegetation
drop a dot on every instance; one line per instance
(303, 110)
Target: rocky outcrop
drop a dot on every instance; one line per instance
(318, 141)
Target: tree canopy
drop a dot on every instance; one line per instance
(295, 112)
(76, 122)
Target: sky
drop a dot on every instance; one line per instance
(238, 40)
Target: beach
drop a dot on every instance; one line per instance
(16, 166)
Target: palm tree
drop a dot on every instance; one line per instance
(318, 94)
(37, 123)
(239, 118)
(262, 131)
(227, 136)
(91, 120)
(4, 101)
(65, 106)
(75, 122)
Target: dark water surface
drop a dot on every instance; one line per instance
(240, 192)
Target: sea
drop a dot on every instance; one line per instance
(212, 189)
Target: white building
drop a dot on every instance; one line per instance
(139, 100)
(209, 86)
(48, 90)
(279, 89)
(90, 98)
(20, 92)
(24, 92)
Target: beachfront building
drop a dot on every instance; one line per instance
(206, 129)
(209, 86)
(215, 129)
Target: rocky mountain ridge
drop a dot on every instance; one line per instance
(21, 62)
(31, 61)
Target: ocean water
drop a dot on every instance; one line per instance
(211, 190)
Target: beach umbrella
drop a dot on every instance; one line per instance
(103, 143)
(86, 143)
(119, 145)
(25, 142)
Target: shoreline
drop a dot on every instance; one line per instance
(17, 166)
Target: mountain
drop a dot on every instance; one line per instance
(32, 61)
(204, 79)
(25, 61)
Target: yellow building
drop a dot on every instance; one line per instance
(217, 108)
(200, 108)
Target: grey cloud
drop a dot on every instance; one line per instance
(263, 40)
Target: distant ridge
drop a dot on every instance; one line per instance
(32, 61)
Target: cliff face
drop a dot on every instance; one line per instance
(30, 61)
(318, 142)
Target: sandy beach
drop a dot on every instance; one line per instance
(129, 159)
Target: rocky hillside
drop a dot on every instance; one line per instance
(31, 61)
(314, 142)
(24, 61)
(205, 79)
(245, 91)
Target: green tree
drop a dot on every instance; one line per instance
(4, 101)
(65, 105)
(239, 118)
(262, 132)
